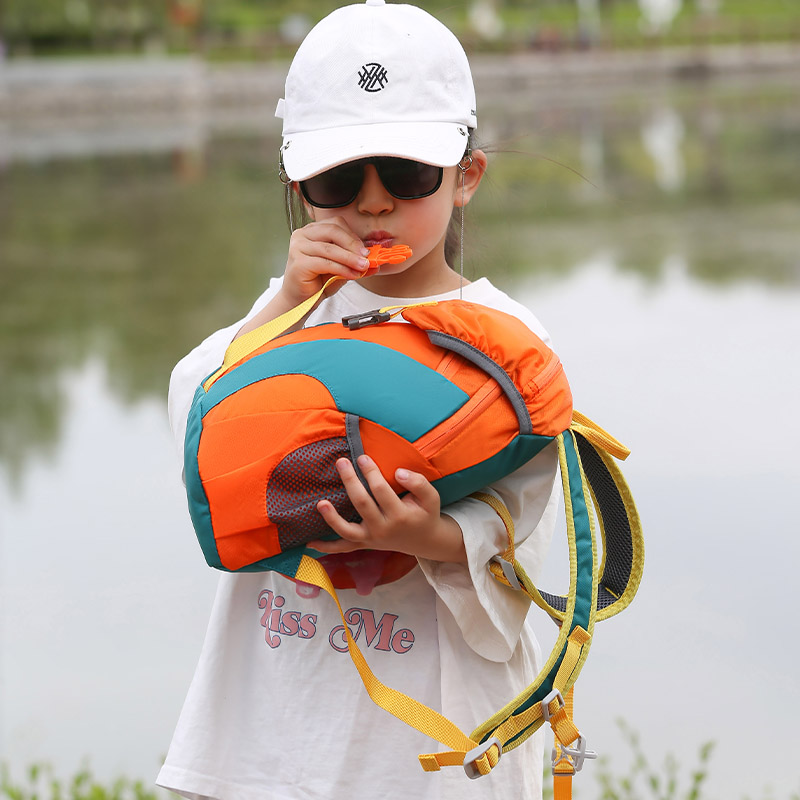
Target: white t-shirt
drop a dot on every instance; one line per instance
(276, 709)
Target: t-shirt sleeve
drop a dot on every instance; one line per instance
(490, 614)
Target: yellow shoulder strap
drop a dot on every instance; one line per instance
(252, 340)
(563, 765)
(249, 342)
(477, 759)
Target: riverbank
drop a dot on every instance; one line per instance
(55, 89)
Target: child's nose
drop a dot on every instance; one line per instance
(373, 197)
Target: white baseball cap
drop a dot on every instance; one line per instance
(376, 79)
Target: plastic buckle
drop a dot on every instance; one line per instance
(476, 753)
(554, 695)
(356, 321)
(577, 754)
(508, 572)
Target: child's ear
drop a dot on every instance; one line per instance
(472, 177)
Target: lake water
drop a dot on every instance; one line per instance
(658, 241)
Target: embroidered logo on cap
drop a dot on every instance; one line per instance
(372, 77)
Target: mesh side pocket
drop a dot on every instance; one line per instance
(298, 483)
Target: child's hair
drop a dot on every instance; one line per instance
(375, 79)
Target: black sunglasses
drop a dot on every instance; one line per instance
(402, 178)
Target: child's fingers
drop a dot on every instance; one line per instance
(360, 497)
(335, 230)
(389, 503)
(334, 242)
(420, 488)
(324, 259)
(338, 260)
(353, 534)
(382, 492)
(349, 532)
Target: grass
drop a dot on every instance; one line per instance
(642, 780)
(668, 781)
(40, 783)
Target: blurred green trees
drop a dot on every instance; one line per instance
(131, 259)
(254, 28)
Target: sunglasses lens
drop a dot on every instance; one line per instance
(408, 180)
(336, 187)
(403, 179)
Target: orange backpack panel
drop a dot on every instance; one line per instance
(462, 393)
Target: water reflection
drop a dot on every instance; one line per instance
(669, 246)
(662, 137)
(133, 257)
(695, 378)
(131, 260)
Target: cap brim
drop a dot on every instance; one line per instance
(439, 143)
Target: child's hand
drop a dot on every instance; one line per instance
(319, 250)
(410, 524)
(316, 252)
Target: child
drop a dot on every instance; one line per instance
(378, 119)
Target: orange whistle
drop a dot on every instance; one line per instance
(378, 254)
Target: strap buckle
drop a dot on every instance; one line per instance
(554, 695)
(474, 754)
(356, 321)
(508, 572)
(577, 755)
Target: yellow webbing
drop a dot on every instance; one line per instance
(599, 437)
(500, 509)
(533, 716)
(405, 708)
(563, 768)
(399, 309)
(560, 721)
(562, 786)
(248, 342)
(258, 337)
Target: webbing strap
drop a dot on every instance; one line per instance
(248, 342)
(258, 337)
(563, 768)
(507, 726)
(533, 717)
(599, 437)
(405, 708)
(510, 727)
(562, 786)
(504, 567)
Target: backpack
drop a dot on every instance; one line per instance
(462, 393)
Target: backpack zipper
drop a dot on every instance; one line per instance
(444, 432)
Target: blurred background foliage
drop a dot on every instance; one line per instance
(137, 276)
(639, 779)
(124, 256)
(245, 29)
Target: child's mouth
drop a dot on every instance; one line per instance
(382, 238)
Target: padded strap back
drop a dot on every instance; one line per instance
(620, 527)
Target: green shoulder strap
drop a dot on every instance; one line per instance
(591, 479)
